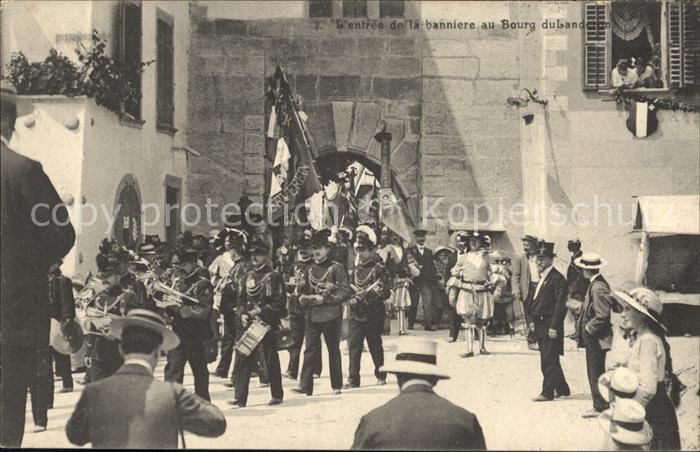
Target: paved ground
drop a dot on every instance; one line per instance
(497, 388)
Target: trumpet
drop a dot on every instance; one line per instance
(165, 296)
(88, 293)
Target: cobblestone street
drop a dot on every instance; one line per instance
(497, 388)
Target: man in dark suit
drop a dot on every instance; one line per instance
(593, 329)
(131, 409)
(35, 232)
(424, 281)
(418, 419)
(578, 284)
(547, 312)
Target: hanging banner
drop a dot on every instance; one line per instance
(277, 204)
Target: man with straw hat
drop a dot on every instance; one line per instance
(131, 409)
(35, 232)
(418, 418)
(594, 331)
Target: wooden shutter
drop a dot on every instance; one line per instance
(131, 50)
(683, 44)
(596, 46)
(165, 66)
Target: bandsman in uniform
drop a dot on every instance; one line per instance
(191, 322)
(370, 282)
(469, 291)
(103, 357)
(324, 293)
(296, 310)
(226, 291)
(129, 281)
(261, 297)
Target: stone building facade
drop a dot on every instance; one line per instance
(443, 94)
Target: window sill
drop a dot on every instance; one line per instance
(166, 129)
(636, 90)
(127, 120)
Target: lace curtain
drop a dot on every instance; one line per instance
(629, 20)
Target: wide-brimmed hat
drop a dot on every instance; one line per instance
(145, 319)
(8, 94)
(442, 249)
(645, 301)
(147, 248)
(590, 261)
(415, 356)
(420, 232)
(346, 230)
(620, 382)
(545, 249)
(462, 237)
(625, 423)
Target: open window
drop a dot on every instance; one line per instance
(659, 41)
(128, 50)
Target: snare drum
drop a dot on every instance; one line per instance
(252, 337)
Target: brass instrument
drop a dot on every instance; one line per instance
(101, 316)
(93, 287)
(165, 296)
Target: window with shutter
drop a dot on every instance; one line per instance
(683, 44)
(391, 8)
(596, 38)
(320, 8)
(165, 68)
(129, 51)
(354, 8)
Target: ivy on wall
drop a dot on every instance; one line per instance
(96, 75)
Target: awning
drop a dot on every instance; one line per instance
(668, 214)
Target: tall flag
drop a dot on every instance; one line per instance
(393, 215)
(285, 115)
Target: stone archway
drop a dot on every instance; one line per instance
(127, 212)
(349, 127)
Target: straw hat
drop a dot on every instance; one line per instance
(645, 301)
(415, 356)
(625, 423)
(590, 261)
(8, 94)
(621, 382)
(145, 319)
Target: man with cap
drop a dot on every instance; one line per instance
(130, 282)
(323, 294)
(131, 409)
(424, 281)
(418, 419)
(35, 232)
(261, 297)
(296, 311)
(547, 311)
(525, 279)
(191, 322)
(594, 331)
(370, 282)
(578, 285)
(229, 273)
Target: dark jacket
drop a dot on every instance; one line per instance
(370, 276)
(332, 284)
(197, 327)
(299, 271)
(419, 419)
(549, 306)
(263, 288)
(28, 247)
(61, 301)
(428, 273)
(578, 284)
(131, 409)
(595, 314)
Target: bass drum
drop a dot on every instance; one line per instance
(69, 343)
